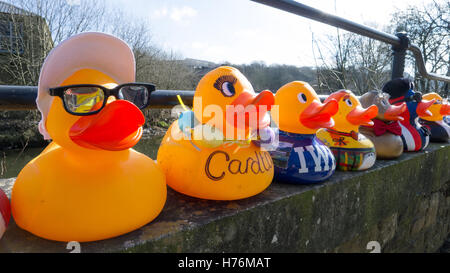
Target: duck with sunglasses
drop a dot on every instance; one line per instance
(88, 184)
(415, 137)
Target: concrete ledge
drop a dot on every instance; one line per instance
(403, 204)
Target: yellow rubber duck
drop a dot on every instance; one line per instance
(300, 157)
(440, 130)
(216, 158)
(88, 184)
(352, 150)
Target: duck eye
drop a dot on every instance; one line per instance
(349, 102)
(301, 97)
(228, 89)
(225, 84)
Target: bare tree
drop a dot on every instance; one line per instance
(39, 25)
(428, 26)
(350, 61)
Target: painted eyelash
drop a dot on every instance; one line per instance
(221, 80)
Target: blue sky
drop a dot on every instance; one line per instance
(241, 31)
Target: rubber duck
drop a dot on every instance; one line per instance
(352, 150)
(300, 157)
(415, 137)
(214, 157)
(386, 131)
(440, 130)
(88, 184)
(5, 212)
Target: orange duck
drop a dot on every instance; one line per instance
(440, 130)
(88, 184)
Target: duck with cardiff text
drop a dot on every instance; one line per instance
(210, 152)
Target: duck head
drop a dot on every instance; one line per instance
(438, 109)
(351, 114)
(402, 90)
(225, 99)
(386, 111)
(300, 110)
(89, 58)
(118, 126)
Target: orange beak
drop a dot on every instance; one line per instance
(394, 112)
(361, 116)
(422, 108)
(247, 105)
(445, 109)
(318, 115)
(117, 127)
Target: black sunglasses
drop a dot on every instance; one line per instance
(89, 99)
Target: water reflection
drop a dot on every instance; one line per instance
(12, 162)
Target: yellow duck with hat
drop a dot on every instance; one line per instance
(88, 184)
(213, 156)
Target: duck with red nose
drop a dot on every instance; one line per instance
(415, 137)
(300, 157)
(213, 155)
(88, 184)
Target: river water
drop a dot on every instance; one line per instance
(12, 162)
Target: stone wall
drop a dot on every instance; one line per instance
(402, 204)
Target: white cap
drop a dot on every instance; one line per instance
(89, 50)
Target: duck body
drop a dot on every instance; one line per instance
(225, 172)
(302, 159)
(415, 137)
(67, 197)
(352, 153)
(388, 145)
(352, 150)
(386, 132)
(226, 165)
(439, 130)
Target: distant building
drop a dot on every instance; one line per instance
(198, 64)
(25, 39)
(200, 67)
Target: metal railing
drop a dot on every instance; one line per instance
(23, 97)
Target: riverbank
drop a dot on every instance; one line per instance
(19, 129)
